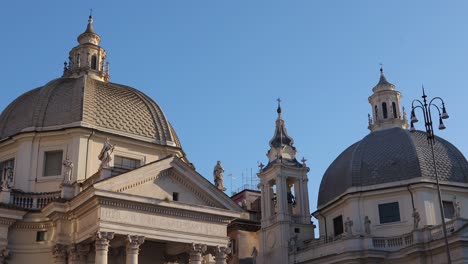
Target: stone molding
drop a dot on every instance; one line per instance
(5, 221)
(164, 211)
(34, 225)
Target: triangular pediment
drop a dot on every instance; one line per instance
(169, 179)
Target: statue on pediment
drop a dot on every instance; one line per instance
(218, 176)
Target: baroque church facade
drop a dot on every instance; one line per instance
(93, 172)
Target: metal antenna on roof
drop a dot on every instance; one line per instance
(90, 12)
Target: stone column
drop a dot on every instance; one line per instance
(102, 246)
(133, 247)
(281, 197)
(221, 254)
(79, 254)
(59, 252)
(196, 251)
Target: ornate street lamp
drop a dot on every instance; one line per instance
(426, 109)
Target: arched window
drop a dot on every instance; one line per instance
(376, 112)
(394, 110)
(94, 62)
(384, 110)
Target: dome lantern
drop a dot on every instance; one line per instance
(88, 58)
(385, 102)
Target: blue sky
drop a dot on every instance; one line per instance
(217, 67)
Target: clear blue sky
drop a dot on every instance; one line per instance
(217, 67)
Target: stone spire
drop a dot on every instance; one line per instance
(281, 144)
(88, 58)
(386, 109)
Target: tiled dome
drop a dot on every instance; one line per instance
(86, 102)
(391, 155)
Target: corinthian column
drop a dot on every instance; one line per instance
(196, 251)
(133, 247)
(221, 254)
(59, 253)
(102, 246)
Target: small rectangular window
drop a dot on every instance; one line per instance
(125, 163)
(41, 236)
(389, 212)
(449, 209)
(338, 225)
(297, 230)
(53, 163)
(175, 196)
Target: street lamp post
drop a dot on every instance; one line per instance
(426, 109)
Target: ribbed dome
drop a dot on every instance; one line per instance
(85, 102)
(391, 155)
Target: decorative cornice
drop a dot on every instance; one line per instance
(34, 225)
(6, 221)
(244, 226)
(164, 210)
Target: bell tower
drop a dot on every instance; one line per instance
(88, 58)
(284, 195)
(385, 102)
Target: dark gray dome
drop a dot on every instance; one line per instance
(391, 155)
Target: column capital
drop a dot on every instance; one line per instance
(59, 252)
(103, 239)
(4, 255)
(79, 252)
(221, 253)
(134, 242)
(195, 252)
(197, 248)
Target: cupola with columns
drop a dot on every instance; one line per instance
(284, 197)
(88, 58)
(385, 102)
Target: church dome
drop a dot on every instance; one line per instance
(91, 103)
(391, 155)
